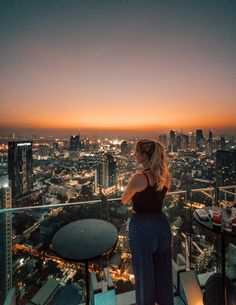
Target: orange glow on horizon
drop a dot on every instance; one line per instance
(136, 114)
(130, 127)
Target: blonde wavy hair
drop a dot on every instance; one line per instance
(157, 157)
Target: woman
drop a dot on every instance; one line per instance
(149, 230)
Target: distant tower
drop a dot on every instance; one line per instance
(209, 143)
(124, 149)
(179, 141)
(225, 167)
(192, 141)
(20, 168)
(185, 141)
(43, 150)
(105, 175)
(222, 143)
(5, 244)
(75, 142)
(172, 143)
(163, 139)
(199, 137)
(210, 135)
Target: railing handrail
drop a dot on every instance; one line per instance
(58, 205)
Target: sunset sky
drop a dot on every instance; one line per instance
(118, 64)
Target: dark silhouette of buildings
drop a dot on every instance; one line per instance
(225, 167)
(20, 169)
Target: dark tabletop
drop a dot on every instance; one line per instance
(209, 224)
(84, 240)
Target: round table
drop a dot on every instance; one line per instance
(208, 224)
(85, 240)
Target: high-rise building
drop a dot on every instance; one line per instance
(225, 167)
(199, 138)
(185, 141)
(75, 142)
(124, 149)
(209, 143)
(20, 168)
(172, 137)
(192, 140)
(179, 141)
(43, 150)
(172, 143)
(102, 293)
(5, 244)
(222, 143)
(105, 175)
(163, 139)
(210, 135)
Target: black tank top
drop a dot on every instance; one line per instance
(149, 200)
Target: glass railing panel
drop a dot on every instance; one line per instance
(32, 264)
(227, 198)
(204, 243)
(177, 211)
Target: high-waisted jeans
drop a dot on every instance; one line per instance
(150, 244)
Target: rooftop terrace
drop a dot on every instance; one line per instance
(29, 262)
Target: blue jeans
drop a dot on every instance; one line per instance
(150, 245)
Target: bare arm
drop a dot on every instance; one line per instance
(132, 187)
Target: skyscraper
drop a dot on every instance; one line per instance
(210, 135)
(163, 139)
(75, 142)
(172, 143)
(199, 138)
(225, 167)
(222, 143)
(5, 244)
(105, 175)
(185, 141)
(209, 144)
(20, 168)
(179, 141)
(124, 149)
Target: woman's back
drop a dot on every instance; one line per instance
(149, 200)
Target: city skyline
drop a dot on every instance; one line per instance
(117, 66)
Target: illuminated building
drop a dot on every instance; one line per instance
(172, 142)
(199, 138)
(179, 141)
(43, 150)
(20, 168)
(192, 141)
(163, 139)
(105, 174)
(210, 135)
(124, 149)
(225, 167)
(102, 293)
(5, 244)
(222, 143)
(209, 144)
(75, 142)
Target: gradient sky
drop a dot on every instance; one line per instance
(116, 64)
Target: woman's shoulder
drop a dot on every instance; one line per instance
(138, 179)
(138, 176)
